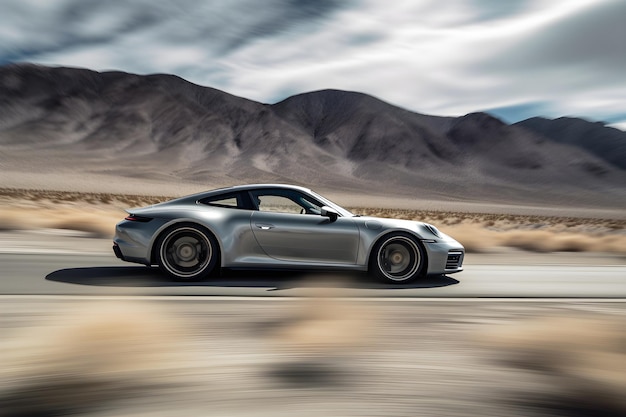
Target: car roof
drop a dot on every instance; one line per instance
(191, 199)
(245, 187)
(259, 186)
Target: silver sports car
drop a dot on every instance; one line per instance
(279, 226)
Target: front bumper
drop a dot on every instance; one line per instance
(444, 257)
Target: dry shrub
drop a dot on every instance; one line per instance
(12, 219)
(532, 240)
(96, 356)
(97, 224)
(95, 228)
(570, 242)
(60, 197)
(612, 243)
(315, 343)
(548, 241)
(93, 221)
(473, 237)
(583, 357)
(322, 324)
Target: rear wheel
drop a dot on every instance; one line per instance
(187, 252)
(398, 258)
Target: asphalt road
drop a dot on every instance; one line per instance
(247, 341)
(516, 276)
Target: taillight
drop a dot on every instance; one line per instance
(135, 218)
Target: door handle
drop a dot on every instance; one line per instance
(264, 226)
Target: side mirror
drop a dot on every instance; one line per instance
(329, 212)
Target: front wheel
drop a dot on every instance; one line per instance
(398, 258)
(187, 252)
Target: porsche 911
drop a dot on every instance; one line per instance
(279, 226)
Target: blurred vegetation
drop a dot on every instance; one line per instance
(97, 214)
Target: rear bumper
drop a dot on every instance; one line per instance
(118, 251)
(132, 242)
(129, 254)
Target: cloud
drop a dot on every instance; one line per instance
(33, 28)
(512, 58)
(592, 36)
(573, 63)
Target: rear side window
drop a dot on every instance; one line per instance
(231, 200)
(226, 202)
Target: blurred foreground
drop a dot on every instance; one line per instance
(318, 355)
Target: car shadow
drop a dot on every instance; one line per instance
(141, 276)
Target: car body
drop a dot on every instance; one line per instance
(279, 226)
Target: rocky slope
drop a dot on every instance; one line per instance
(602, 141)
(161, 127)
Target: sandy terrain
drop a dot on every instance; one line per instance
(97, 213)
(317, 356)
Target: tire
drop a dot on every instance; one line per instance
(187, 252)
(398, 258)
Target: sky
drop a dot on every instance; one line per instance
(512, 58)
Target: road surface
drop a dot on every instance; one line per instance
(103, 274)
(250, 344)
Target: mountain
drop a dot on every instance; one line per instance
(76, 122)
(602, 141)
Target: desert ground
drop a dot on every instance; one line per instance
(323, 353)
(540, 230)
(318, 355)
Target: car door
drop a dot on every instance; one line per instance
(286, 232)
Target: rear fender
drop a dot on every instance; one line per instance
(171, 225)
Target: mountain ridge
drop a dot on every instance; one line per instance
(162, 126)
(603, 141)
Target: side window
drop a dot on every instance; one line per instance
(236, 200)
(278, 204)
(285, 201)
(226, 202)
